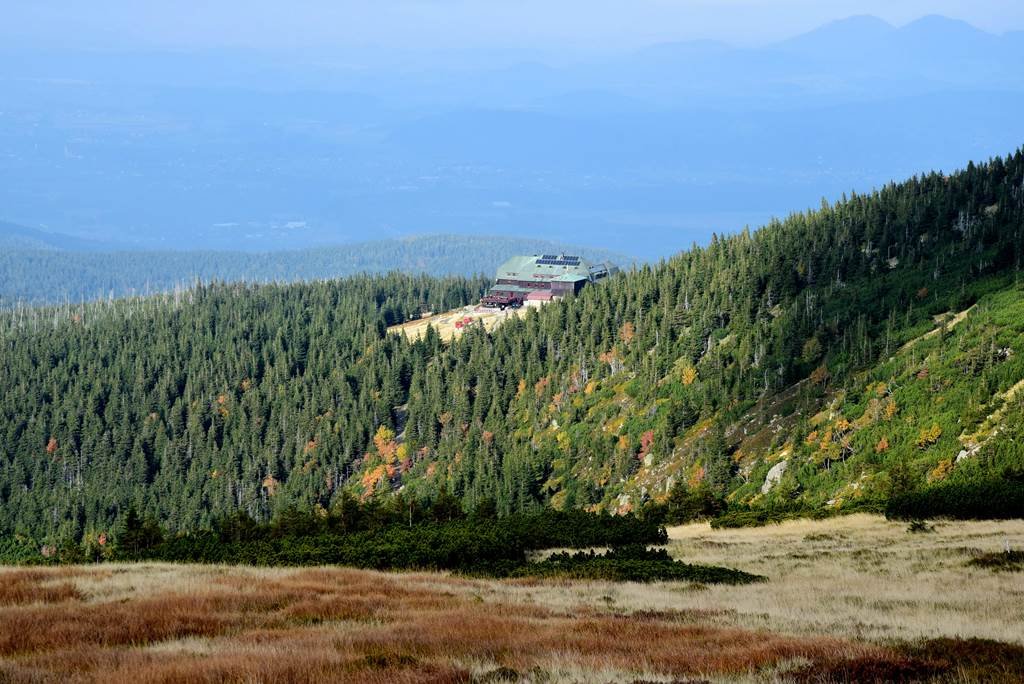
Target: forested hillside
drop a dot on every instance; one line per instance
(36, 268)
(874, 347)
(192, 405)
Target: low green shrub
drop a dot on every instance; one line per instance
(986, 499)
(634, 563)
(475, 544)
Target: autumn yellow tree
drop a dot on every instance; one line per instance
(384, 441)
(929, 436)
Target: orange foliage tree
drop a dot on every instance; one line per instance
(820, 375)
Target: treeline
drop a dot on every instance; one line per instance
(476, 544)
(983, 498)
(51, 276)
(401, 534)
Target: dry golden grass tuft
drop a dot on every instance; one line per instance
(166, 623)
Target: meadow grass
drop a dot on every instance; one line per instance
(848, 599)
(857, 576)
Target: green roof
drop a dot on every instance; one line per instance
(526, 267)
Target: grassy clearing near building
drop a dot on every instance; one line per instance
(854, 598)
(451, 324)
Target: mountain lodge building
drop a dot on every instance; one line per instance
(542, 278)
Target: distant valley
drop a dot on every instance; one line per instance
(642, 151)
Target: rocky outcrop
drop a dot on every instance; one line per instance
(774, 476)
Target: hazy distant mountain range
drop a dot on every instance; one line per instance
(642, 152)
(15, 237)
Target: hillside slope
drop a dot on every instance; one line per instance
(723, 362)
(806, 342)
(944, 406)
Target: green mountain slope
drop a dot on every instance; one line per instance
(807, 342)
(709, 368)
(36, 272)
(944, 406)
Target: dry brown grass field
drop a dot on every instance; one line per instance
(849, 599)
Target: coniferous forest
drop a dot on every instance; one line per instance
(874, 348)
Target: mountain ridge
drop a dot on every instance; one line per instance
(16, 236)
(692, 378)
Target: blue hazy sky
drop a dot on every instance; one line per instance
(545, 26)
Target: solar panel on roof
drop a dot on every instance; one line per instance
(552, 260)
